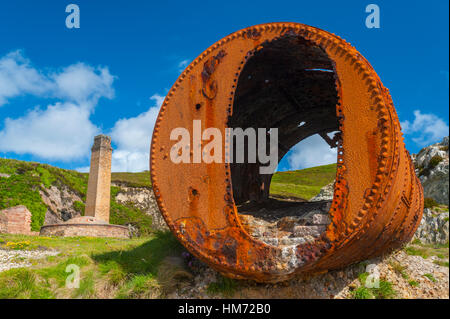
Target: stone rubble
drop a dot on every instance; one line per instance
(285, 223)
(336, 284)
(21, 258)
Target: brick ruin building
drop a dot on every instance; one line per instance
(16, 220)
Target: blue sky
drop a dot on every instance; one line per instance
(62, 86)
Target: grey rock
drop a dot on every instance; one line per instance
(435, 180)
(304, 231)
(144, 199)
(326, 193)
(433, 228)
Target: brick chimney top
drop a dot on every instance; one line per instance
(102, 141)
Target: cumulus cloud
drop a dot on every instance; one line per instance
(425, 129)
(18, 77)
(312, 151)
(132, 137)
(62, 130)
(83, 83)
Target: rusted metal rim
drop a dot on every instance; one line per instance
(377, 202)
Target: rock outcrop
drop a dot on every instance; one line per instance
(60, 204)
(433, 228)
(432, 168)
(326, 193)
(144, 199)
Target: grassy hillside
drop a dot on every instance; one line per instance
(141, 179)
(305, 183)
(27, 178)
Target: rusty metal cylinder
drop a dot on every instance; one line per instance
(297, 72)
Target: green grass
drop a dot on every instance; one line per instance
(441, 263)
(27, 179)
(426, 250)
(431, 277)
(362, 293)
(400, 269)
(127, 268)
(224, 286)
(384, 291)
(121, 214)
(429, 202)
(305, 183)
(141, 179)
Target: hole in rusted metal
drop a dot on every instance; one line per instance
(289, 84)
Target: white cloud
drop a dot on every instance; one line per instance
(425, 129)
(80, 82)
(17, 77)
(182, 65)
(76, 83)
(312, 151)
(61, 131)
(132, 137)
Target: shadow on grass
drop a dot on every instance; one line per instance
(143, 259)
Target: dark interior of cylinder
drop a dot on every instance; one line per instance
(288, 84)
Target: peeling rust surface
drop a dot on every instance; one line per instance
(282, 75)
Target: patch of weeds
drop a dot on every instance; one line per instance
(113, 272)
(86, 289)
(431, 277)
(413, 283)
(22, 283)
(140, 287)
(434, 161)
(400, 269)
(58, 273)
(413, 251)
(123, 214)
(171, 273)
(416, 242)
(441, 263)
(384, 291)
(362, 293)
(225, 286)
(429, 202)
(79, 207)
(20, 245)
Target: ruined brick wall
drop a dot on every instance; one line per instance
(99, 184)
(16, 220)
(75, 230)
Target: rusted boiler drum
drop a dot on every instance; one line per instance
(302, 81)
